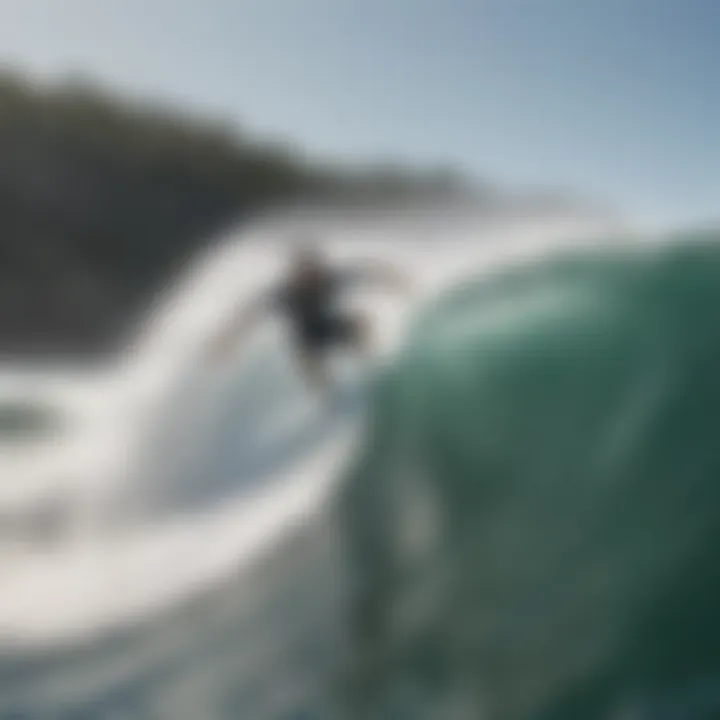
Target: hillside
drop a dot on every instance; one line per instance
(101, 199)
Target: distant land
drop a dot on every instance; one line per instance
(103, 198)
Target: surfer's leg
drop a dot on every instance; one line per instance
(312, 364)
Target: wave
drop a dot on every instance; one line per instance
(534, 523)
(469, 511)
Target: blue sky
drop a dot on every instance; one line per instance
(619, 99)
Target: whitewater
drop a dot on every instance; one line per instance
(178, 474)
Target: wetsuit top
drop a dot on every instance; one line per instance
(311, 307)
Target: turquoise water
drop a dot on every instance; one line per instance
(530, 531)
(563, 420)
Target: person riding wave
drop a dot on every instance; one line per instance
(308, 298)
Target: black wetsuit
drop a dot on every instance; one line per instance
(311, 308)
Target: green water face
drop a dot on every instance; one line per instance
(564, 417)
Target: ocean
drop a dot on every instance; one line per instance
(511, 517)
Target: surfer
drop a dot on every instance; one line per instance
(307, 297)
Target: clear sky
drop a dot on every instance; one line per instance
(619, 99)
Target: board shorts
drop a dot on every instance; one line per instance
(321, 333)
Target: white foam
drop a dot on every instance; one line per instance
(114, 571)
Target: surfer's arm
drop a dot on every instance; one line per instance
(244, 320)
(381, 273)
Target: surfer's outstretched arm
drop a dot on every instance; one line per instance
(385, 274)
